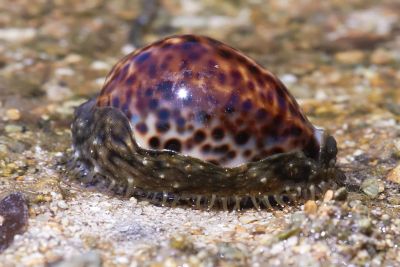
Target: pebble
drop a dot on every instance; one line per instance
(62, 204)
(13, 114)
(57, 92)
(181, 242)
(247, 219)
(394, 200)
(133, 201)
(88, 259)
(394, 175)
(310, 207)
(229, 252)
(289, 233)
(350, 57)
(73, 58)
(298, 218)
(365, 226)
(362, 257)
(381, 57)
(328, 195)
(340, 194)
(17, 34)
(3, 151)
(289, 79)
(100, 65)
(385, 218)
(371, 187)
(13, 128)
(14, 214)
(64, 72)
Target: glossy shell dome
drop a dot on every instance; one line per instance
(204, 99)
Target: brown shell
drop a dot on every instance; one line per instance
(202, 98)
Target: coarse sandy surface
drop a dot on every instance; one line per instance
(340, 59)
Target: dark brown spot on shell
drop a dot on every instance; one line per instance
(261, 114)
(173, 144)
(142, 57)
(250, 86)
(131, 79)
(163, 114)
(236, 77)
(162, 126)
(222, 149)
(141, 128)
(221, 78)
(242, 137)
(206, 148)
(152, 70)
(247, 105)
(199, 136)
(154, 142)
(247, 153)
(225, 53)
(218, 133)
(115, 102)
(231, 155)
(153, 104)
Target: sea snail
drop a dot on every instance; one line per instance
(189, 118)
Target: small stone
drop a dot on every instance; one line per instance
(298, 218)
(62, 204)
(289, 79)
(350, 57)
(310, 207)
(88, 259)
(73, 58)
(289, 233)
(14, 214)
(394, 175)
(394, 200)
(13, 114)
(13, 128)
(328, 195)
(385, 218)
(362, 258)
(228, 252)
(260, 229)
(381, 57)
(340, 194)
(180, 242)
(16, 35)
(57, 92)
(357, 206)
(133, 201)
(365, 226)
(3, 151)
(371, 187)
(100, 65)
(381, 186)
(68, 107)
(247, 219)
